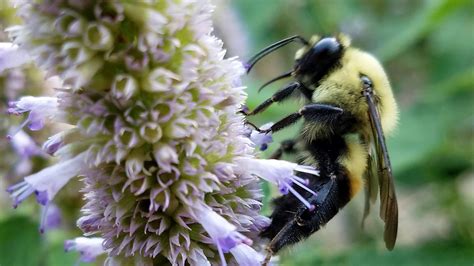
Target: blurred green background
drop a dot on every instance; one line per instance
(427, 48)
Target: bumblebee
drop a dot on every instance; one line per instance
(348, 106)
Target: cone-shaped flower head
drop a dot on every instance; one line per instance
(156, 131)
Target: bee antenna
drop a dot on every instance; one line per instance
(249, 65)
(282, 76)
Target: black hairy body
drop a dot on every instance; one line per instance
(332, 187)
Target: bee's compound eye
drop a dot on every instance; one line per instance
(366, 81)
(326, 47)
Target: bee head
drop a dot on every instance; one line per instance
(319, 58)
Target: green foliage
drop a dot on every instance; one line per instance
(57, 256)
(434, 254)
(421, 25)
(20, 242)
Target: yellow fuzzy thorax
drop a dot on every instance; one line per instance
(343, 88)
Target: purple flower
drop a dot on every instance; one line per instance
(160, 79)
(246, 256)
(281, 173)
(24, 145)
(11, 56)
(50, 217)
(26, 148)
(88, 248)
(261, 140)
(53, 143)
(40, 109)
(109, 12)
(223, 233)
(124, 87)
(46, 183)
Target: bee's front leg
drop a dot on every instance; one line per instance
(312, 112)
(279, 96)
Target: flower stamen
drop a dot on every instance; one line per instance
(282, 174)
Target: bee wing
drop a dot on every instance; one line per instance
(371, 178)
(380, 166)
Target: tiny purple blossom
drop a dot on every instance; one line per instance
(40, 108)
(15, 82)
(46, 183)
(24, 145)
(261, 140)
(11, 56)
(53, 143)
(223, 233)
(50, 217)
(88, 248)
(282, 174)
(246, 256)
(109, 12)
(88, 224)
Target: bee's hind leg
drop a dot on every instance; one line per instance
(332, 193)
(267, 259)
(292, 232)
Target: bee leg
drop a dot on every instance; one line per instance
(332, 193)
(246, 122)
(291, 233)
(286, 146)
(312, 112)
(267, 258)
(279, 96)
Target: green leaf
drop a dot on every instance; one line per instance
(20, 242)
(419, 27)
(426, 127)
(58, 257)
(440, 253)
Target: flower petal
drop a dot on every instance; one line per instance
(89, 248)
(246, 256)
(223, 233)
(11, 56)
(50, 217)
(261, 140)
(47, 182)
(280, 173)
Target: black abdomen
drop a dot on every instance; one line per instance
(291, 220)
